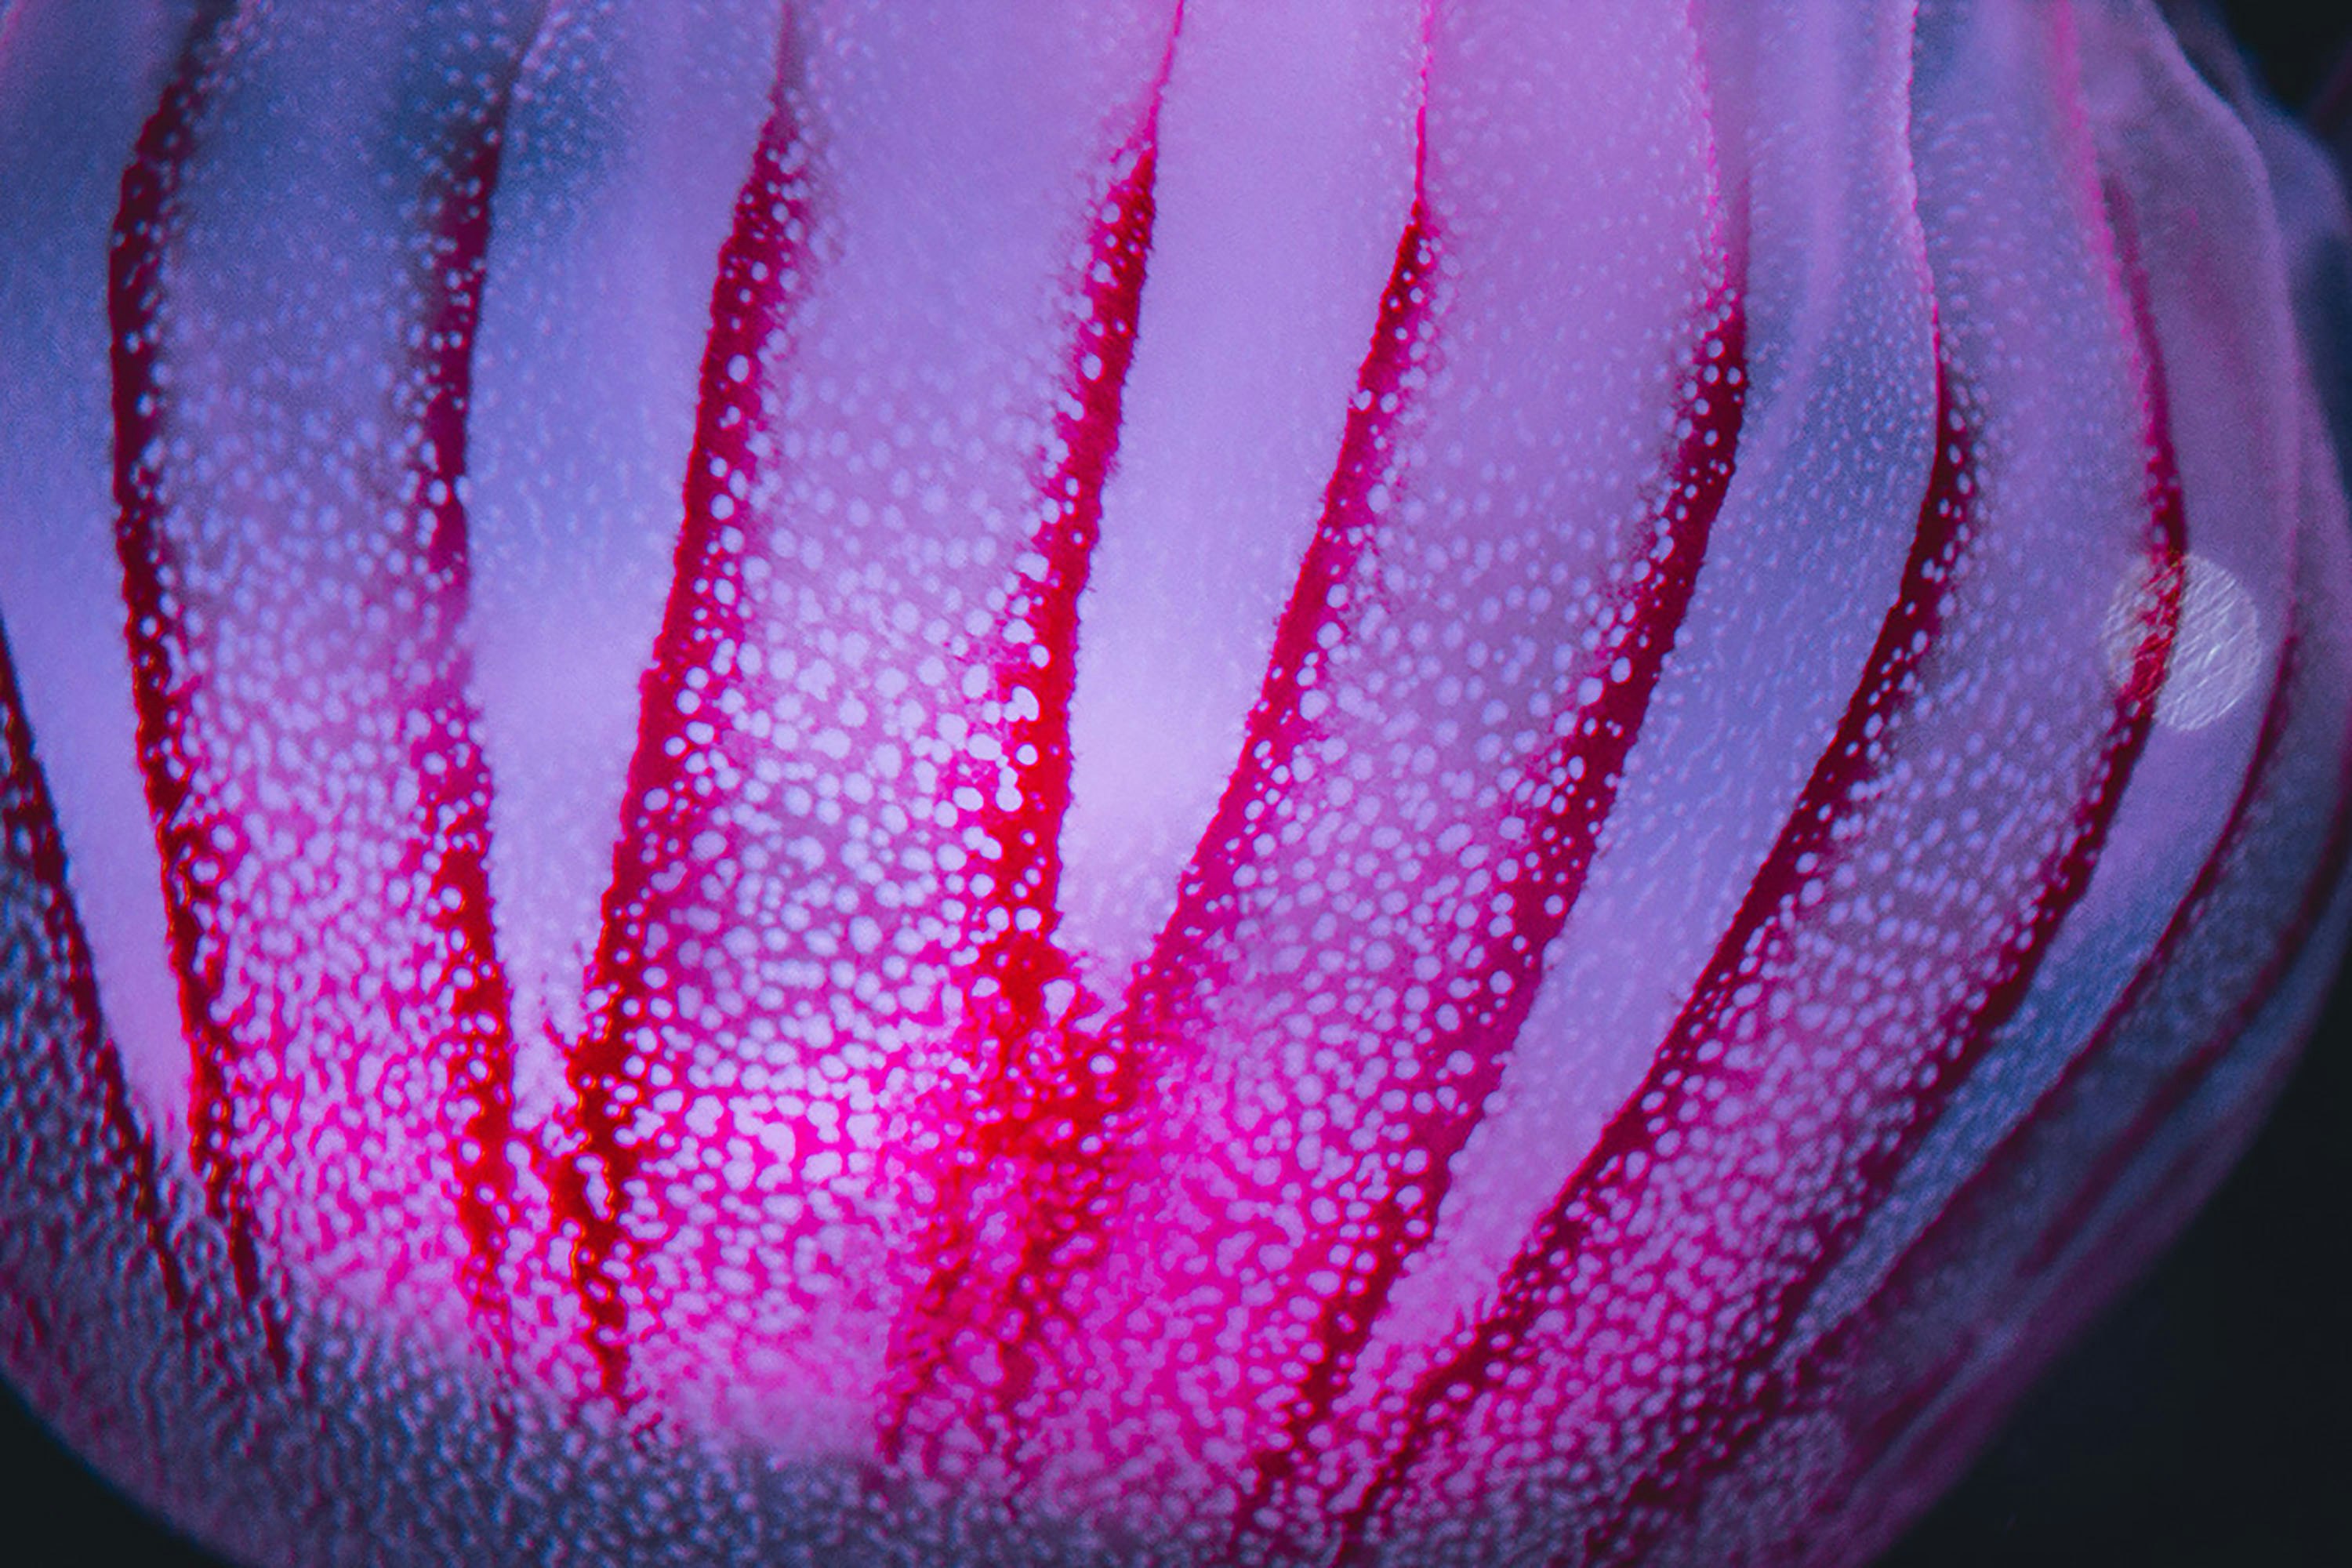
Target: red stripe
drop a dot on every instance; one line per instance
(1976, 1208)
(1672, 1485)
(2191, 1071)
(956, 996)
(1559, 1269)
(451, 845)
(1028, 1110)
(2125, 223)
(1198, 983)
(764, 276)
(145, 226)
(1567, 795)
(1973, 1208)
(1079, 1196)
(237, 1062)
(1503, 1338)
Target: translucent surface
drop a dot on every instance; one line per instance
(1069, 783)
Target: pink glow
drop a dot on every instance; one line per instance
(1494, 1035)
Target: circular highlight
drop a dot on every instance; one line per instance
(2217, 654)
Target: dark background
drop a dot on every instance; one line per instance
(2205, 1423)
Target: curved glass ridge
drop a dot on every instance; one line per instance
(1136, 782)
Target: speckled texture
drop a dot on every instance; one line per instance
(1336, 782)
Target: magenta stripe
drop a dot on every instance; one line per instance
(1566, 793)
(1019, 1127)
(1067, 1232)
(1557, 793)
(2191, 1071)
(1671, 1485)
(145, 226)
(998, 1109)
(235, 1063)
(763, 276)
(1178, 969)
(1557, 1265)
(1976, 1206)
(2276, 714)
(452, 843)
(1502, 1340)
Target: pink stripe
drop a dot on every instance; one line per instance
(145, 226)
(1977, 1206)
(1580, 1272)
(1566, 794)
(1829, 1364)
(1023, 1123)
(1068, 1236)
(962, 839)
(449, 1033)
(1215, 1186)
(451, 848)
(763, 276)
(2192, 1069)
